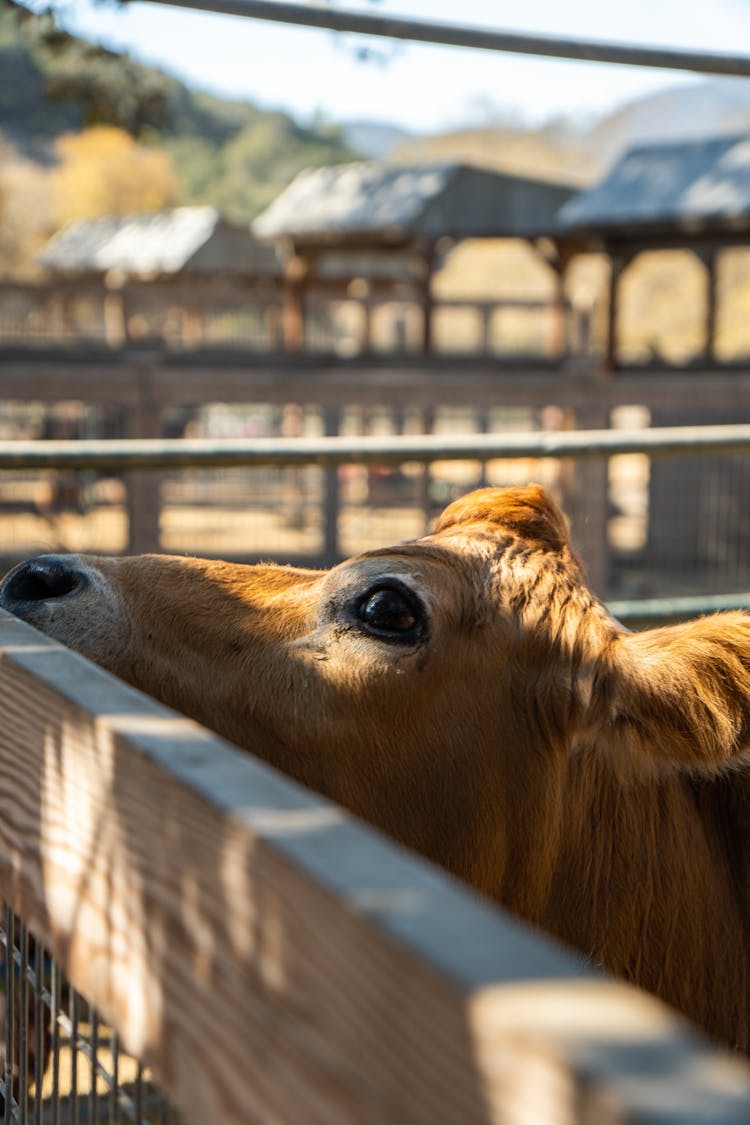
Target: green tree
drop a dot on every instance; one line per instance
(264, 157)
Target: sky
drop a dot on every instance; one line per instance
(426, 88)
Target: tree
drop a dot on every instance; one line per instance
(108, 88)
(265, 156)
(25, 218)
(103, 171)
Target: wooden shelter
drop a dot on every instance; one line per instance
(370, 228)
(187, 257)
(691, 195)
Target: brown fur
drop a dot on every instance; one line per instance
(593, 780)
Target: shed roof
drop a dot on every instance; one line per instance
(381, 204)
(696, 185)
(162, 242)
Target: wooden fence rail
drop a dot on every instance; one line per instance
(275, 961)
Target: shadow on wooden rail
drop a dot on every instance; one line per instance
(273, 959)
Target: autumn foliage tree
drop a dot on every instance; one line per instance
(103, 171)
(26, 219)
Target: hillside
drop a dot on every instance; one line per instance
(707, 108)
(234, 154)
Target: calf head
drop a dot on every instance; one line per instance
(439, 688)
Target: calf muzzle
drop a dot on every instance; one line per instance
(44, 578)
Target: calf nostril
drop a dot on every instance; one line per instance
(41, 579)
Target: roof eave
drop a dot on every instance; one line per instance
(685, 229)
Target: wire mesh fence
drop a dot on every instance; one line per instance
(59, 1063)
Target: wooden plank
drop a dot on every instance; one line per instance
(275, 961)
(402, 381)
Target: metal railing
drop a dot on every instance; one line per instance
(479, 38)
(183, 453)
(328, 510)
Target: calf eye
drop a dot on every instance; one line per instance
(389, 611)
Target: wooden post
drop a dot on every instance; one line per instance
(428, 425)
(587, 503)
(295, 279)
(143, 502)
(486, 313)
(115, 324)
(360, 290)
(274, 327)
(618, 264)
(582, 330)
(557, 346)
(365, 333)
(193, 325)
(331, 498)
(483, 427)
(427, 299)
(115, 330)
(558, 256)
(709, 258)
(67, 317)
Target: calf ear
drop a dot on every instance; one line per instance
(528, 511)
(678, 695)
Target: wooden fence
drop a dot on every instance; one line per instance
(273, 960)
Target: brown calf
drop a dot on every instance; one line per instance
(467, 694)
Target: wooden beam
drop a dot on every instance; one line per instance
(273, 959)
(227, 375)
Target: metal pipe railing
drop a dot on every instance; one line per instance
(482, 38)
(181, 453)
(665, 609)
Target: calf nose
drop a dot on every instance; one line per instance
(41, 579)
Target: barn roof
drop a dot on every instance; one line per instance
(163, 242)
(380, 204)
(693, 185)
